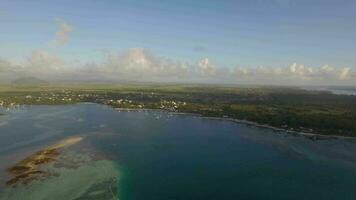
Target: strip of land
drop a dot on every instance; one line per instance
(29, 169)
(288, 108)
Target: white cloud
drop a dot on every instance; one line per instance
(9, 70)
(345, 74)
(9, 67)
(62, 35)
(295, 74)
(240, 72)
(300, 70)
(205, 67)
(40, 64)
(5, 66)
(43, 63)
(43, 60)
(138, 64)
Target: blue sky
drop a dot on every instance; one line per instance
(230, 33)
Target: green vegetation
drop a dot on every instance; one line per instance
(282, 107)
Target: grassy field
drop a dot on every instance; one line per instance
(284, 107)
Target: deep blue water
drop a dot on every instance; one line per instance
(168, 156)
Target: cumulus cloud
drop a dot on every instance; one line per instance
(8, 70)
(41, 60)
(10, 67)
(40, 64)
(62, 35)
(345, 74)
(295, 74)
(205, 67)
(138, 64)
(5, 66)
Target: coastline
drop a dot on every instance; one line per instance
(156, 110)
(312, 136)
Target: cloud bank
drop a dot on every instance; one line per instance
(138, 64)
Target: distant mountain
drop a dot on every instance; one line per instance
(29, 81)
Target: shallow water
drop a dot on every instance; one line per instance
(158, 155)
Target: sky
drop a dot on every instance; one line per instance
(210, 41)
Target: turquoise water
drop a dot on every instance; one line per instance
(158, 155)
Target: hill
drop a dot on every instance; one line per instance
(29, 81)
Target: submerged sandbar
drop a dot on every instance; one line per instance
(28, 169)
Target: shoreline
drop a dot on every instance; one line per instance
(155, 110)
(312, 136)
